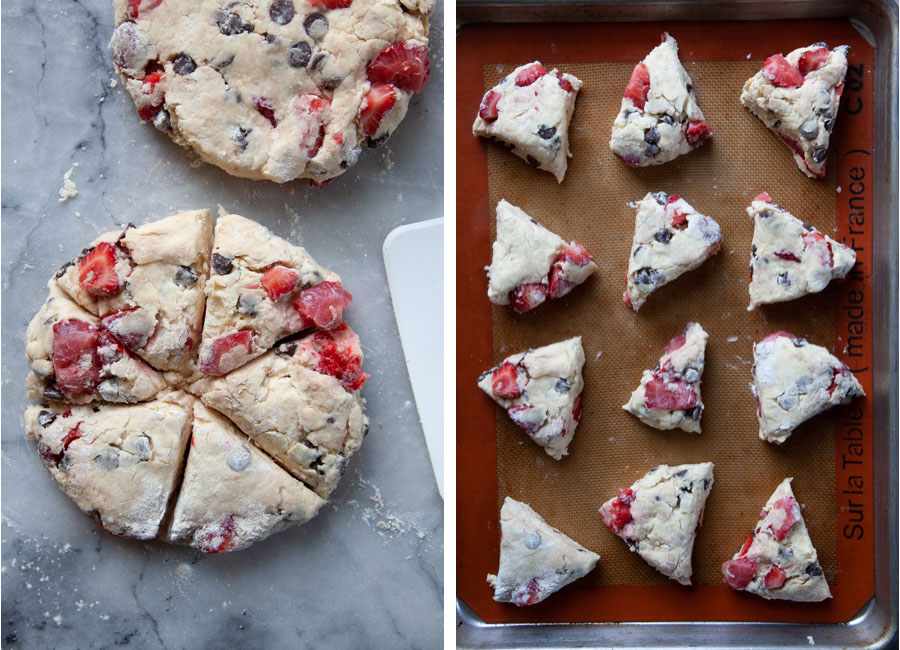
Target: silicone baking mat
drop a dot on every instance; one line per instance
(827, 456)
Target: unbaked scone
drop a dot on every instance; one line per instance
(536, 560)
(778, 560)
(660, 514)
(275, 90)
(530, 264)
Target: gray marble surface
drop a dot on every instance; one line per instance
(367, 572)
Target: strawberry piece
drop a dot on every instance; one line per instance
(403, 65)
(265, 108)
(521, 416)
(812, 60)
(789, 507)
(577, 254)
(76, 363)
(219, 540)
(331, 4)
(529, 75)
(279, 280)
(795, 146)
(378, 101)
(775, 577)
(149, 111)
(135, 7)
(839, 89)
(320, 184)
(133, 340)
(341, 364)
(559, 286)
(620, 515)
(679, 220)
(47, 454)
(822, 247)
(746, 547)
(676, 343)
(697, 131)
(763, 196)
(225, 345)
(638, 86)
(97, 271)
(488, 109)
(504, 381)
(631, 159)
(669, 394)
(576, 409)
(565, 84)
(786, 255)
(528, 296)
(323, 304)
(775, 335)
(529, 596)
(627, 299)
(738, 573)
(781, 73)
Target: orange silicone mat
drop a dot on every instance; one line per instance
(611, 448)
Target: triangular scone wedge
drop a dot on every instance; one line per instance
(778, 560)
(790, 258)
(541, 392)
(659, 516)
(261, 289)
(670, 239)
(794, 380)
(536, 560)
(74, 359)
(146, 285)
(797, 97)
(300, 403)
(530, 110)
(119, 464)
(659, 119)
(530, 263)
(669, 395)
(232, 494)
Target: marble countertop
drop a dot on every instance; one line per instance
(368, 571)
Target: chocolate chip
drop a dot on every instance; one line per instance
(332, 82)
(532, 161)
(765, 214)
(269, 38)
(248, 303)
(563, 385)
(667, 119)
(678, 501)
(110, 391)
(799, 343)
(661, 197)
(694, 413)
(651, 150)
(706, 483)
(814, 570)
(691, 374)
(808, 226)
(819, 155)
(287, 349)
(753, 250)
(690, 88)
(185, 277)
(777, 124)
(318, 60)
(782, 279)
(299, 55)
(377, 142)
(802, 385)
(649, 276)
(663, 236)
(809, 129)
(532, 541)
(107, 459)
(546, 132)
(828, 124)
(316, 25)
(162, 121)
(651, 135)
(46, 418)
(787, 401)
(239, 135)
(281, 11)
(232, 24)
(52, 392)
(183, 64)
(351, 158)
(221, 265)
(681, 473)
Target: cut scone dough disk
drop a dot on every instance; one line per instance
(541, 392)
(232, 494)
(659, 119)
(261, 289)
(530, 264)
(73, 358)
(146, 285)
(536, 560)
(669, 395)
(670, 239)
(778, 560)
(797, 96)
(300, 404)
(790, 258)
(794, 380)
(660, 514)
(273, 90)
(119, 464)
(530, 110)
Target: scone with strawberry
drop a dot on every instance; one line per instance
(778, 560)
(530, 111)
(670, 239)
(660, 514)
(146, 285)
(794, 380)
(536, 559)
(530, 264)
(261, 289)
(659, 119)
(669, 395)
(790, 258)
(541, 392)
(797, 96)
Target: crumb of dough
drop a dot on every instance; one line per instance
(68, 190)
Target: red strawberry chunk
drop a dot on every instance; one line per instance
(746, 547)
(378, 101)
(523, 416)
(97, 271)
(631, 159)
(775, 577)
(265, 108)
(576, 409)
(323, 304)
(812, 60)
(488, 109)
(638, 86)
(504, 381)
(529, 596)
(530, 74)
(331, 4)
(839, 89)
(795, 147)
(781, 73)
(738, 573)
(341, 364)
(679, 220)
(529, 296)
(136, 6)
(676, 343)
(577, 254)
(763, 196)
(697, 131)
(565, 84)
(783, 524)
(47, 454)
(786, 255)
(627, 299)
(218, 540)
(279, 281)
(620, 511)
(76, 363)
(117, 323)
(403, 65)
(822, 247)
(240, 342)
(775, 335)
(559, 285)
(669, 394)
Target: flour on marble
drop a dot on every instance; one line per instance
(68, 190)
